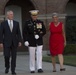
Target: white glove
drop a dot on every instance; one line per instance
(36, 36)
(26, 43)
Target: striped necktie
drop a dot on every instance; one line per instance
(11, 25)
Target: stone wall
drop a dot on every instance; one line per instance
(45, 7)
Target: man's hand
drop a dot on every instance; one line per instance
(64, 43)
(1, 45)
(19, 44)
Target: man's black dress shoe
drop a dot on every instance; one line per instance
(6, 71)
(40, 70)
(13, 73)
(32, 72)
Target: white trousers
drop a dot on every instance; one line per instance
(38, 51)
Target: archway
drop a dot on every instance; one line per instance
(21, 9)
(71, 8)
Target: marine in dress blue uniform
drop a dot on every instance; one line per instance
(33, 33)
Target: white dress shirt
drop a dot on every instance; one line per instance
(10, 22)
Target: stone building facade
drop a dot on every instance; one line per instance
(46, 7)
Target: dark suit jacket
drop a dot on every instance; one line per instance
(31, 29)
(7, 37)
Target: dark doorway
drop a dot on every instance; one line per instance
(71, 22)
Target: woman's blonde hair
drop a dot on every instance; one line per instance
(55, 14)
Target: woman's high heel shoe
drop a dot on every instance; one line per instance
(54, 70)
(62, 69)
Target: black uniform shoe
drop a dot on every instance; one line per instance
(40, 70)
(32, 72)
(6, 71)
(13, 73)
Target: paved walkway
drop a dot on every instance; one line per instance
(23, 67)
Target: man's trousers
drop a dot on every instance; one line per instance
(10, 52)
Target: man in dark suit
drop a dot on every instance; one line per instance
(10, 39)
(33, 33)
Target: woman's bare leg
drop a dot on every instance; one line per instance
(53, 63)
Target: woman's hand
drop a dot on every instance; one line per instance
(64, 43)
